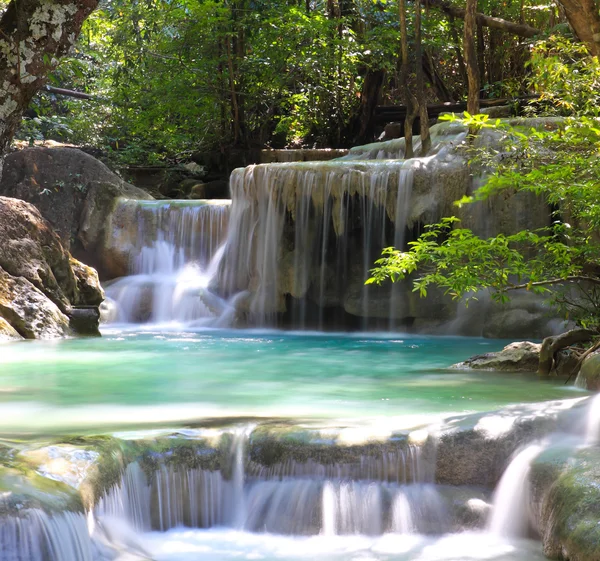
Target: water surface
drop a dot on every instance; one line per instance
(138, 378)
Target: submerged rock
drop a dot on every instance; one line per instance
(39, 281)
(522, 356)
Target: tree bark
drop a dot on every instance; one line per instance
(437, 83)
(411, 102)
(584, 18)
(471, 57)
(551, 345)
(34, 34)
(520, 29)
(423, 116)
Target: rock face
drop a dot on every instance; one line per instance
(522, 356)
(76, 194)
(40, 283)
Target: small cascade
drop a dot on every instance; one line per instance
(403, 465)
(174, 252)
(370, 495)
(510, 516)
(37, 536)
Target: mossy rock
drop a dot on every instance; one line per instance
(23, 489)
(569, 512)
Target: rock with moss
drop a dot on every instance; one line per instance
(566, 489)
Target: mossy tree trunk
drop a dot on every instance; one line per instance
(34, 35)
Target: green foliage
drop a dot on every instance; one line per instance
(566, 77)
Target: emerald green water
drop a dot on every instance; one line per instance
(139, 379)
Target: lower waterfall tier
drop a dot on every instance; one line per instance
(212, 493)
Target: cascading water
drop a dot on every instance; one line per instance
(312, 500)
(38, 536)
(174, 251)
(342, 215)
(512, 497)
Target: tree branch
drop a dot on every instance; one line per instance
(572, 278)
(520, 29)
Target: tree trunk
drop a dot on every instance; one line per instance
(551, 345)
(423, 116)
(457, 44)
(437, 83)
(471, 57)
(411, 102)
(369, 98)
(34, 34)
(481, 57)
(584, 18)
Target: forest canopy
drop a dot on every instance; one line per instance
(167, 78)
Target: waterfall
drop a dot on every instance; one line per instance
(293, 248)
(37, 536)
(313, 231)
(373, 495)
(512, 496)
(174, 253)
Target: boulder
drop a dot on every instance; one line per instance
(29, 311)
(589, 373)
(198, 190)
(522, 356)
(40, 283)
(73, 191)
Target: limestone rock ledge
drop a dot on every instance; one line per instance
(40, 283)
(521, 356)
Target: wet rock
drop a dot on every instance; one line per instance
(589, 374)
(521, 356)
(88, 285)
(22, 490)
(73, 191)
(85, 321)
(476, 449)
(30, 249)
